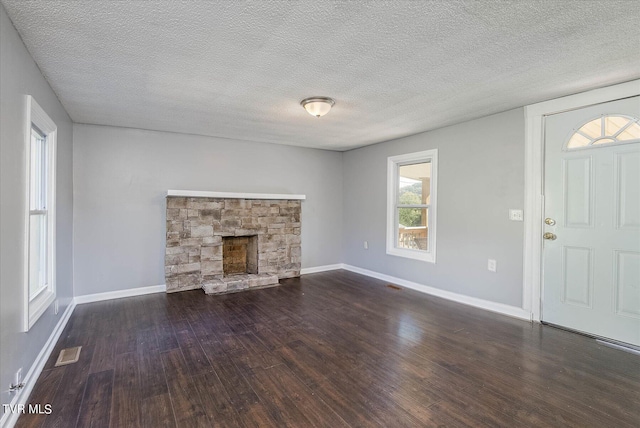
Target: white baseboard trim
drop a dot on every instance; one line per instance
(98, 297)
(324, 268)
(500, 308)
(9, 419)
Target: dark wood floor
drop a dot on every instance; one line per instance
(331, 349)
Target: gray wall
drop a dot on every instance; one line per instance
(121, 177)
(480, 176)
(20, 76)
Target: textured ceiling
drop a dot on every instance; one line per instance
(239, 69)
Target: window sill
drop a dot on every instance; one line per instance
(38, 306)
(412, 254)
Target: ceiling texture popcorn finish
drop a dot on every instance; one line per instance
(239, 69)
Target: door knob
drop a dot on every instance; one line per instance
(549, 221)
(550, 236)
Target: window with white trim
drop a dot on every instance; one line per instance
(411, 205)
(40, 245)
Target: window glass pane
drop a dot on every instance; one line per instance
(612, 124)
(631, 133)
(412, 228)
(577, 140)
(37, 253)
(38, 171)
(593, 129)
(414, 183)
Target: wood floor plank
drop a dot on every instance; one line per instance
(126, 342)
(216, 402)
(277, 401)
(201, 327)
(238, 389)
(95, 410)
(196, 359)
(151, 374)
(328, 349)
(256, 416)
(146, 340)
(166, 337)
(349, 408)
(44, 391)
(374, 397)
(104, 357)
(308, 367)
(125, 407)
(254, 353)
(185, 336)
(157, 412)
(68, 397)
(185, 399)
(280, 379)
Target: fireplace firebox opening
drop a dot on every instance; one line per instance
(239, 255)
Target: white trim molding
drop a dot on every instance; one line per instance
(324, 268)
(233, 195)
(9, 419)
(130, 292)
(393, 165)
(534, 172)
(34, 307)
(500, 308)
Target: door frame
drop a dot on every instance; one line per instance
(534, 180)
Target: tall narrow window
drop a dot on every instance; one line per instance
(411, 201)
(40, 213)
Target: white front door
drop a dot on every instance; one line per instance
(591, 254)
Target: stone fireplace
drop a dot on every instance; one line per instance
(224, 242)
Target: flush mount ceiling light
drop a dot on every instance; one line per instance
(317, 106)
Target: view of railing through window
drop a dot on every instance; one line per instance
(413, 205)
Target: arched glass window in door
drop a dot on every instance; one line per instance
(605, 130)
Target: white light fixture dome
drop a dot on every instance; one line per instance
(317, 106)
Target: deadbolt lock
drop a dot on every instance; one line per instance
(550, 221)
(550, 236)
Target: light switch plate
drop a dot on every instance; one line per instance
(492, 265)
(516, 215)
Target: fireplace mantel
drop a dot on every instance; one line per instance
(233, 195)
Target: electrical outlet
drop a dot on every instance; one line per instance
(55, 307)
(366, 245)
(18, 378)
(516, 215)
(17, 384)
(492, 265)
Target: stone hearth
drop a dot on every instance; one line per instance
(240, 282)
(196, 227)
